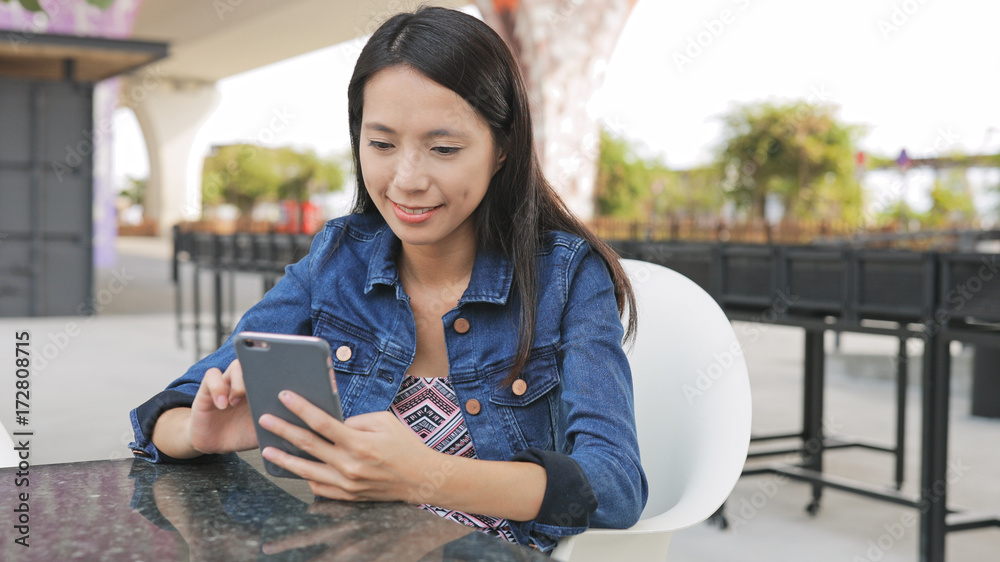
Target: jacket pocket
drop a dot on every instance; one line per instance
(354, 349)
(530, 417)
(355, 354)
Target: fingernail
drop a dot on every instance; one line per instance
(265, 421)
(234, 401)
(268, 453)
(286, 397)
(220, 401)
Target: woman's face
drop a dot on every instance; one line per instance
(427, 157)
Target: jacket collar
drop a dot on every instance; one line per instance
(492, 272)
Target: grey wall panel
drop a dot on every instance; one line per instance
(15, 277)
(14, 297)
(15, 201)
(67, 203)
(45, 211)
(15, 121)
(65, 114)
(65, 290)
(15, 257)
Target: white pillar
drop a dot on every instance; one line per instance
(170, 113)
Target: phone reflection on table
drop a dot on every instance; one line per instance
(225, 509)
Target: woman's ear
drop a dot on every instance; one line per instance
(500, 160)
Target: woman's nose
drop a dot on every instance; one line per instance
(409, 175)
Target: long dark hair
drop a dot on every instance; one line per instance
(466, 56)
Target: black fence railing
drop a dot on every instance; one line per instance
(848, 284)
(222, 256)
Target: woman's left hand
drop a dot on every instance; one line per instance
(369, 457)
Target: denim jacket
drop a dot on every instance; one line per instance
(575, 417)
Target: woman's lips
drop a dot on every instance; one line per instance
(413, 215)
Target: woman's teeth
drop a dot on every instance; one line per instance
(410, 211)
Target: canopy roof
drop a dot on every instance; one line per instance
(81, 59)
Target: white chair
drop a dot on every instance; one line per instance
(692, 406)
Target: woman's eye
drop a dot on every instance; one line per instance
(446, 150)
(379, 144)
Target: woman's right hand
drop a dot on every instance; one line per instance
(220, 417)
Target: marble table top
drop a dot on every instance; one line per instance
(227, 509)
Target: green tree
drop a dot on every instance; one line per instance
(898, 214)
(951, 202)
(305, 173)
(135, 190)
(623, 179)
(243, 174)
(631, 187)
(798, 152)
(693, 192)
(239, 174)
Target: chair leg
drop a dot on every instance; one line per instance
(719, 518)
(901, 384)
(812, 422)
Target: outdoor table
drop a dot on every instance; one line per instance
(225, 508)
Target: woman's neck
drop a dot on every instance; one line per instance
(433, 266)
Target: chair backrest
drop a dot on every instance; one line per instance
(692, 397)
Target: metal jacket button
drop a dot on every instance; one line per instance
(461, 325)
(520, 387)
(343, 353)
(472, 406)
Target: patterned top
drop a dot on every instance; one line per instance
(429, 407)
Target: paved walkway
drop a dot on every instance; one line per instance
(96, 369)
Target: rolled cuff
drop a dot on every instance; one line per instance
(568, 501)
(144, 420)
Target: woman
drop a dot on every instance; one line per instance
(461, 282)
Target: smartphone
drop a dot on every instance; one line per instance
(275, 362)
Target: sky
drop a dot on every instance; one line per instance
(923, 75)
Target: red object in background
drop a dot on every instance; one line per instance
(298, 218)
(860, 159)
(505, 5)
